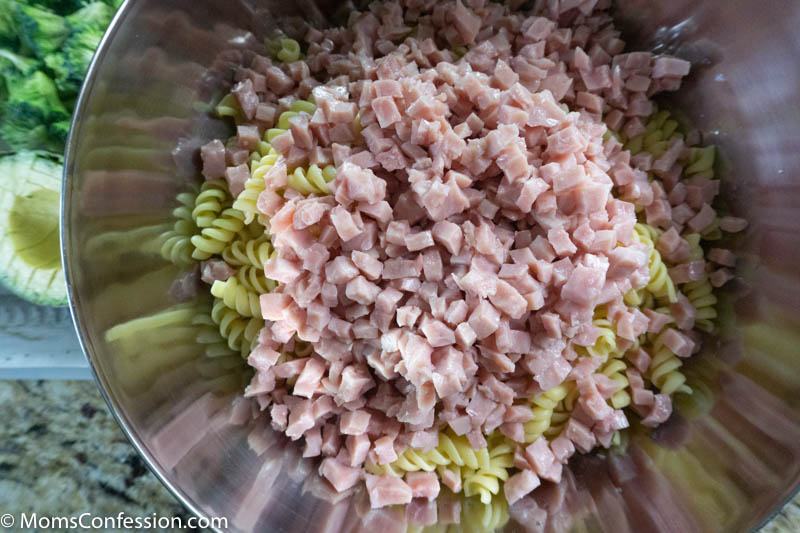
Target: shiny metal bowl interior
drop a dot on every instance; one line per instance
(728, 459)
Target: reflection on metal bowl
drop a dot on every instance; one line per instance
(724, 462)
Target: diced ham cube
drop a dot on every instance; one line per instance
(423, 484)
(680, 344)
(387, 490)
(519, 485)
(341, 476)
(354, 422)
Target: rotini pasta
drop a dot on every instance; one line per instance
(615, 369)
(236, 296)
(312, 181)
(209, 203)
(253, 252)
(208, 335)
(659, 130)
(289, 50)
(176, 244)
(247, 200)
(253, 279)
(701, 295)
(664, 370)
(239, 332)
(213, 239)
(477, 516)
(543, 407)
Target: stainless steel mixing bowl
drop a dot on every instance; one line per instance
(724, 463)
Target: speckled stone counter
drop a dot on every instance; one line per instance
(62, 454)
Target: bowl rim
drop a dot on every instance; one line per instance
(67, 258)
(74, 307)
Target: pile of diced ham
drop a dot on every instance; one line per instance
(476, 222)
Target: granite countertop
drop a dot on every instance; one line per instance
(62, 454)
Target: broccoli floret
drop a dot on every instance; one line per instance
(14, 67)
(58, 132)
(41, 31)
(69, 64)
(62, 7)
(8, 30)
(95, 18)
(33, 104)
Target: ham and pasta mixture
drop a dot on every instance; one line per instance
(458, 244)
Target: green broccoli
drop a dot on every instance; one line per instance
(41, 31)
(8, 30)
(69, 64)
(62, 7)
(94, 17)
(65, 7)
(14, 67)
(33, 104)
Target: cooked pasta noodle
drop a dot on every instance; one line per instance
(615, 369)
(236, 296)
(289, 50)
(176, 246)
(664, 368)
(253, 279)
(213, 239)
(210, 202)
(239, 332)
(606, 344)
(477, 516)
(228, 107)
(312, 181)
(209, 336)
(543, 407)
(701, 295)
(254, 252)
(247, 200)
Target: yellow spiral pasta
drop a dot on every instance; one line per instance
(176, 243)
(208, 335)
(558, 421)
(213, 239)
(228, 107)
(701, 161)
(664, 371)
(701, 295)
(312, 181)
(288, 51)
(487, 480)
(480, 517)
(253, 252)
(615, 369)
(253, 279)
(237, 296)
(543, 407)
(660, 284)
(239, 332)
(209, 203)
(606, 344)
(247, 200)
(659, 129)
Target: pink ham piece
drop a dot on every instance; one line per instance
(423, 484)
(678, 343)
(341, 476)
(213, 156)
(519, 485)
(387, 490)
(480, 214)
